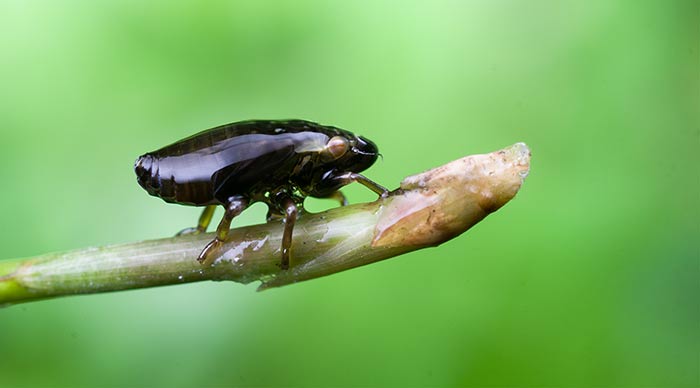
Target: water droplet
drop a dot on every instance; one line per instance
(261, 243)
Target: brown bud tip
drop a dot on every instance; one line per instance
(436, 205)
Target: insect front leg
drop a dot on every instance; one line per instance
(202, 224)
(340, 197)
(234, 206)
(359, 178)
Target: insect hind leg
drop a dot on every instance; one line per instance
(202, 224)
(234, 206)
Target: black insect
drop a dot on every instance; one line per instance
(275, 162)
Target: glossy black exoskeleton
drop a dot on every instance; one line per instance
(275, 162)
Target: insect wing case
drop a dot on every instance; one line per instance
(255, 163)
(231, 159)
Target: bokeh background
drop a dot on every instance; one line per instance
(590, 277)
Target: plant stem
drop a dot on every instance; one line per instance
(426, 210)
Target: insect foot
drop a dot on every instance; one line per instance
(188, 231)
(210, 253)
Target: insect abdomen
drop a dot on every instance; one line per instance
(161, 182)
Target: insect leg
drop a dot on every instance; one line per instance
(273, 214)
(202, 224)
(234, 206)
(290, 218)
(338, 196)
(359, 178)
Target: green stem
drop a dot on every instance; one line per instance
(428, 209)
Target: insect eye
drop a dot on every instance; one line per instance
(337, 146)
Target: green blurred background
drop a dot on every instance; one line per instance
(590, 277)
